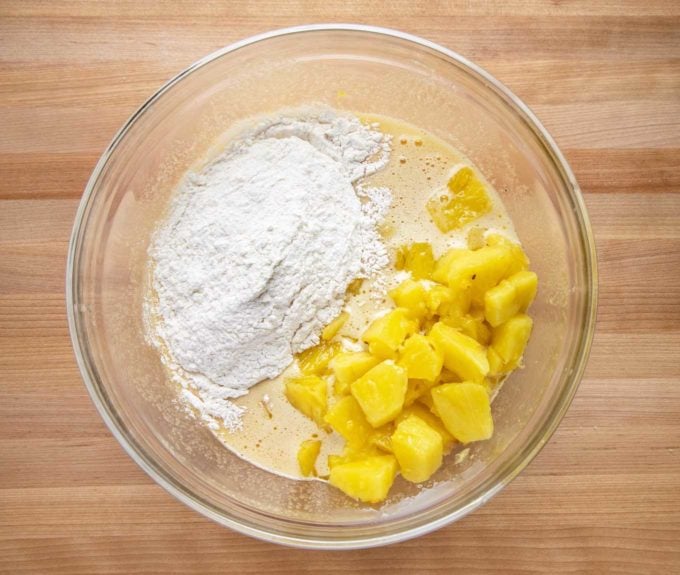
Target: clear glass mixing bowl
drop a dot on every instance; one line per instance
(355, 68)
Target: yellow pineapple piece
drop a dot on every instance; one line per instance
(465, 410)
(427, 324)
(334, 460)
(424, 413)
(459, 305)
(382, 438)
(437, 297)
(462, 354)
(444, 263)
(380, 392)
(420, 358)
(490, 384)
(388, 332)
(418, 449)
(331, 330)
(464, 200)
(416, 388)
(482, 269)
(479, 330)
(314, 361)
(509, 340)
(521, 261)
(496, 363)
(306, 456)
(350, 366)
(345, 457)
(347, 418)
(469, 325)
(475, 238)
(368, 480)
(447, 376)
(353, 454)
(426, 400)
(416, 258)
(308, 394)
(412, 296)
(498, 239)
(510, 297)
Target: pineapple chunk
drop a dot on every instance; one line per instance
(314, 361)
(308, 394)
(482, 269)
(496, 364)
(459, 304)
(475, 238)
(464, 201)
(331, 330)
(420, 359)
(426, 400)
(416, 388)
(412, 296)
(462, 355)
(418, 449)
(510, 297)
(500, 240)
(416, 258)
(388, 332)
(469, 325)
(447, 376)
(509, 340)
(444, 263)
(422, 412)
(350, 366)
(465, 410)
(347, 418)
(380, 392)
(334, 460)
(367, 480)
(306, 456)
(437, 297)
(353, 454)
(521, 261)
(382, 438)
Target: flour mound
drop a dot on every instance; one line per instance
(257, 253)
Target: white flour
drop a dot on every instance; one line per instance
(258, 250)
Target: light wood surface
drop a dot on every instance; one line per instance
(602, 497)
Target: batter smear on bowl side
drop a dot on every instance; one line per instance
(338, 297)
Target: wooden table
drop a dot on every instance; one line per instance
(603, 496)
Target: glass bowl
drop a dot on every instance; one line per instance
(361, 69)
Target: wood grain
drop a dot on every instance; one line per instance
(602, 497)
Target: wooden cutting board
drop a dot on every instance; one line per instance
(602, 497)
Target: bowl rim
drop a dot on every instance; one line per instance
(505, 476)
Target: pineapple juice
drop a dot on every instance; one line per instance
(420, 164)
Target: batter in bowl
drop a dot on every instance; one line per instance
(388, 180)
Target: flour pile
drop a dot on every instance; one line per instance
(258, 250)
